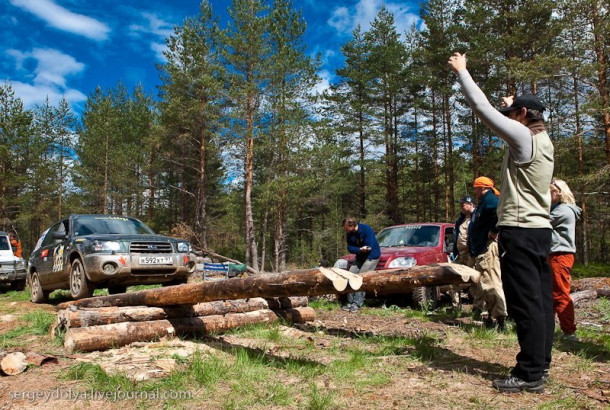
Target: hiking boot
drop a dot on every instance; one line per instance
(354, 308)
(569, 337)
(513, 384)
(347, 307)
(546, 375)
(501, 324)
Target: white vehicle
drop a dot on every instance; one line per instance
(12, 268)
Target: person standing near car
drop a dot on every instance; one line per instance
(16, 245)
(461, 253)
(524, 226)
(362, 242)
(564, 214)
(484, 249)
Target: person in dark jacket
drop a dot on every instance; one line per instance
(461, 253)
(362, 242)
(484, 249)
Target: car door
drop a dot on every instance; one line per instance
(448, 242)
(52, 254)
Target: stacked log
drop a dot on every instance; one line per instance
(212, 307)
(89, 329)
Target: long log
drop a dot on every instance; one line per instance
(583, 295)
(87, 339)
(217, 324)
(71, 317)
(310, 282)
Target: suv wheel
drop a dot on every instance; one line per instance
(426, 297)
(37, 294)
(80, 287)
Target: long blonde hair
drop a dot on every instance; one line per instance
(563, 190)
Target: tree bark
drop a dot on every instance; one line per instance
(70, 318)
(583, 295)
(310, 282)
(220, 323)
(87, 339)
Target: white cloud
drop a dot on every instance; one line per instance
(63, 19)
(32, 94)
(49, 79)
(345, 20)
(156, 28)
(323, 84)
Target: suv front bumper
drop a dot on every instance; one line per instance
(137, 268)
(9, 272)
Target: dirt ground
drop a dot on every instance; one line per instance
(458, 373)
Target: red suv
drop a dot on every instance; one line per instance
(403, 246)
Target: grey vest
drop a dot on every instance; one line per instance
(525, 199)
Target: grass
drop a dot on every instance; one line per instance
(349, 371)
(324, 304)
(36, 323)
(15, 296)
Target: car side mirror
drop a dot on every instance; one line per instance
(59, 235)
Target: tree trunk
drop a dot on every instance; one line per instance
(220, 323)
(107, 315)
(583, 295)
(310, 282)
(202, 188)
(602, 69)
(87, 339)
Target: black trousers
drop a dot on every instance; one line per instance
(528, 287)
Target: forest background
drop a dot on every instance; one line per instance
(237, 150)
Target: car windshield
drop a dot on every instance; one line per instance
(410, 235)
(94, 224)
(4, 244)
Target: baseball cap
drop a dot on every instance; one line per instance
(466, 200)
(529, 101)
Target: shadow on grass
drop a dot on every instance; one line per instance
(585, 349)
(262, 356)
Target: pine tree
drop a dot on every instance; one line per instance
(246, 56)
(192, 93)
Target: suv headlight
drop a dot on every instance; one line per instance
(405, 262)
(101, 246)
(20, 265)
(341, 264)
(184, 247)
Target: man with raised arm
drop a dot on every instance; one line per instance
(524, 226)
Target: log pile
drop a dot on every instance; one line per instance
(214, 307)
(89, 329)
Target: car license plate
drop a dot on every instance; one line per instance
(156, 260)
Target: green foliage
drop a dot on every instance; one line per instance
(240, 155)
(580, 271)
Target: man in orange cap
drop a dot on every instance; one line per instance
(484, 249)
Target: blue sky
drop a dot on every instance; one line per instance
(65, 48)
